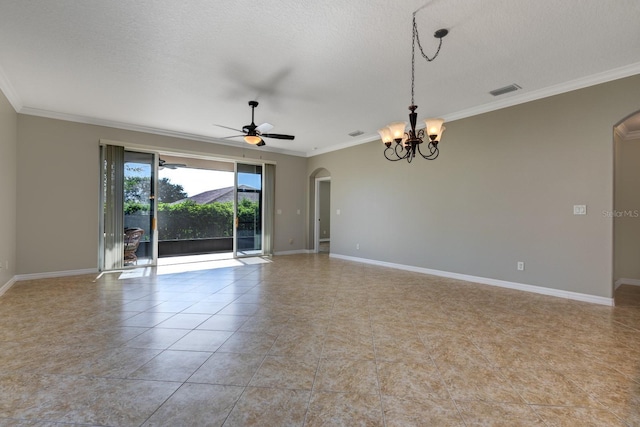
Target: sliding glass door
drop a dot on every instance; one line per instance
(129, 229)
(128, 200)
(249, 219)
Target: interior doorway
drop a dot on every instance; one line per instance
(626, 212)
(322, 232)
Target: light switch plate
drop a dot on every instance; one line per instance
(579, 209)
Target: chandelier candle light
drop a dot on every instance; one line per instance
(408, 142)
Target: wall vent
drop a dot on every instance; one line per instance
(356, 133)
(506, 89)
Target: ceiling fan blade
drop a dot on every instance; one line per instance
(233, 136)
(265, 127)
(277, 136)
(163, 164)
(261, 143)
(227, 127)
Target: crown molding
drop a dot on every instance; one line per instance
(522, 98)
(9, 91)
(146, 129)
(592, 80)
(342, 146)
(623, 132)
(581, 83)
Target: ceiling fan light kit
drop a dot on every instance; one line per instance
(252, 139)
(407, 143)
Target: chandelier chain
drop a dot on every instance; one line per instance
(416, 37)
(413, 59)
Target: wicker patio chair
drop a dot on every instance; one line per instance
(132, 238)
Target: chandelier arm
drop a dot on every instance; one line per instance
(397, 157)
(434, 152)
(401, 153)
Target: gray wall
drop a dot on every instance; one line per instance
(58, 190)
(502, 191)
(8, 161)
(627, 210)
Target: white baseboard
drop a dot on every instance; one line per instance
(4, 288)
(296, 252)
(486, 281)
(632, 282)
(52, 274)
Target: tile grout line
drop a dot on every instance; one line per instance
(315, 375)
(375, 358)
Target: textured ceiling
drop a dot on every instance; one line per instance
(319, 69)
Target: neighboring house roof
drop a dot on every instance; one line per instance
(221, 195)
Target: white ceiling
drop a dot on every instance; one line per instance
(319, 69)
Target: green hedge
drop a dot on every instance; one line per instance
(189, 220)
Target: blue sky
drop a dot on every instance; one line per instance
(196, 181)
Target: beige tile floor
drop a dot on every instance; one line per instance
(312, 340)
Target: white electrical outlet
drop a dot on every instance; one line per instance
(358, 246)
(520, 266)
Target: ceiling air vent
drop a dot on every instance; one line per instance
(506, 89)
(356, 133)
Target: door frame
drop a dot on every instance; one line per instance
(316, 215)
(153, 234)
(235, 210)
(158, 152)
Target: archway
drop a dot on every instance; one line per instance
(626, 211)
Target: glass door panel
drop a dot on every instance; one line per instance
(139, 208)
(248, 241)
